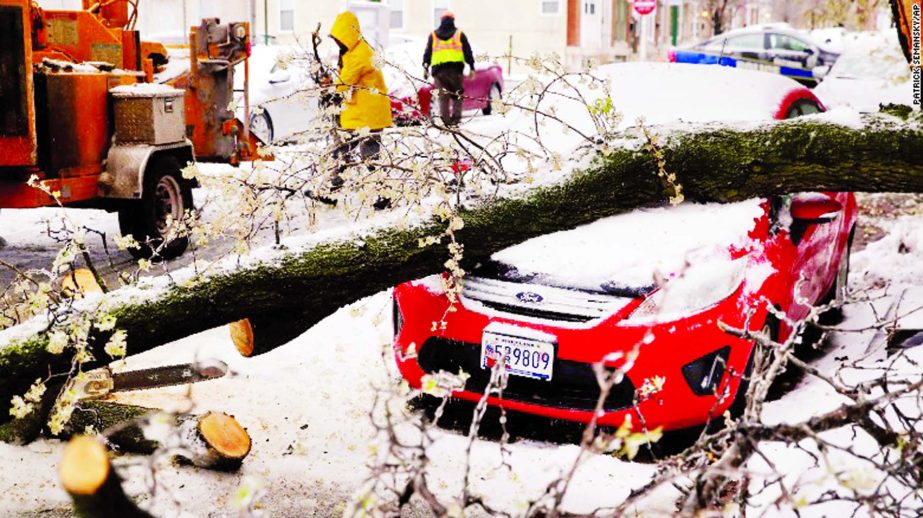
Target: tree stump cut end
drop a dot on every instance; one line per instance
(242, 336)
(85, 466)
(225, 435)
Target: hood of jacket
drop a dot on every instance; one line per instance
(446, 29)
(346, 30)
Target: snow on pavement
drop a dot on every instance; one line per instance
(307, 407)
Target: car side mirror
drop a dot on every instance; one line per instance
(814, 207)
(809, 51)
(280, 76)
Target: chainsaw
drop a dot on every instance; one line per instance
(102, 382)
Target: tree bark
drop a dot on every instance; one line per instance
(713, 164)
(214, 440)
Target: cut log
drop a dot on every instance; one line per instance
(217, 441)
(95, 488)
(713, 164)
(213, 440)
(262, 333)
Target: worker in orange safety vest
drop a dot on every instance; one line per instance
(447, 51)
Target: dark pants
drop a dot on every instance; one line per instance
(450, 85)
(369, 147)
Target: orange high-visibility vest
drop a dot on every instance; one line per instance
(448, 51)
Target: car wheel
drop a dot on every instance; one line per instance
(166, 197)
(492, 96)
(261, 126)
(771, 328)
(837, 293)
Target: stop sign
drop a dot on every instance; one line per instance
(643, 7)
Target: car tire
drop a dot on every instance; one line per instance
(493, 95)
(166, 195)
(837, 292)
(261, 126)
(771, 326)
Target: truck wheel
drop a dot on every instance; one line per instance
(261, 126)
(166, 196)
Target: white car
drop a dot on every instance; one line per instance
(283, 96)
(872, 71)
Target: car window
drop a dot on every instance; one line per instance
(714, 45)
(786, 42)
(746, 42)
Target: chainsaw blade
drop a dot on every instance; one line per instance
(101, 382)
(168, 376)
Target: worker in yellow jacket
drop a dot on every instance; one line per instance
(365, 96)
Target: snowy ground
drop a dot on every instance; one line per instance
(307, 407)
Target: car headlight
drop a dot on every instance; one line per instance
(699, 287)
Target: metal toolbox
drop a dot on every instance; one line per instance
(149, 114)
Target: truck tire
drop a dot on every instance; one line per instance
(166, 195)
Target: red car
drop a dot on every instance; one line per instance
(480, 92)
(643, 292)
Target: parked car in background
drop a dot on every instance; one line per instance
(283, 97)
(872, 71)
(644, 291)
(774, 48)
(413, 100)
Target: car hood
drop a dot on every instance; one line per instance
(625, 255)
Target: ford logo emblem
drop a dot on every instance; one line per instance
(529, 297)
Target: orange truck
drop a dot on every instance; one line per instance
(83, 125)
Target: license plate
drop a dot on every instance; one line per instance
(524, 357)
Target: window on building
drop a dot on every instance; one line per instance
(551, 6)
(589, 7)
(397, 13)
(287, 15)
(439, 7)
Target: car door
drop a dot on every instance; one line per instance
(476, 91)
(814, 249)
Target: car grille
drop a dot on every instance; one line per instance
(555, 304)
(572, 386)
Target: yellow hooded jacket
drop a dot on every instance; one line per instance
(368, 105)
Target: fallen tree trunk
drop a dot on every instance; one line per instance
(711, 164)
(213, 440)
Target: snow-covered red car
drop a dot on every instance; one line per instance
(480, 91)
(643, 292)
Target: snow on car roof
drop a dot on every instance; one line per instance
(629, 249)
(664, 93)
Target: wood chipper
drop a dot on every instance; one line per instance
(81, 123)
